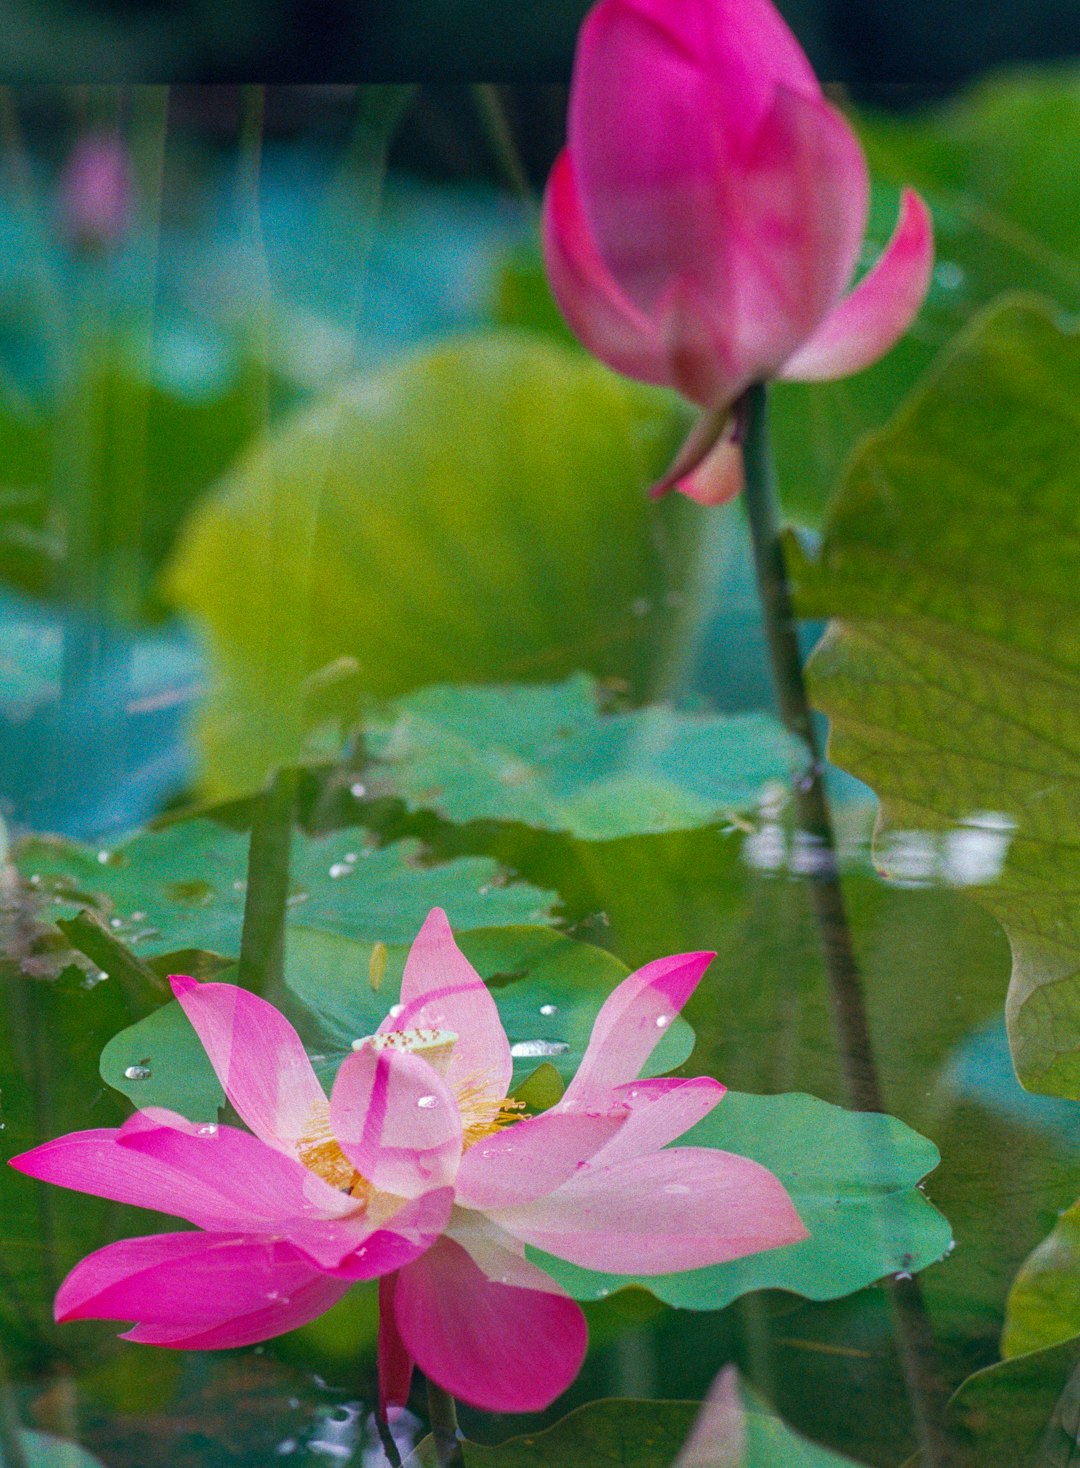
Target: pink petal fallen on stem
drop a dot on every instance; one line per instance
(395, 1363)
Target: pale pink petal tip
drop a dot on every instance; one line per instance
(869, 321)
(718, 1437)
(720, 478)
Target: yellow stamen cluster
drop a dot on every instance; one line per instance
(320, 1152)
(483, 1114)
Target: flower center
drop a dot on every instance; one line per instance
(481, 1112)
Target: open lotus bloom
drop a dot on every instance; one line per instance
(705, 220)
(421, 1170)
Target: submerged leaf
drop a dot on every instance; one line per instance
(1043, 1308)
(546, 756)
(952, 677)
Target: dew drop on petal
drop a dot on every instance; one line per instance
(427, 1102)
(209, 1130)
(395, 1010)
(662, 1021)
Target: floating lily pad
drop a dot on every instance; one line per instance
(547, 756)
(184, 886)
(957, 697)
(853, 1178)
(736, 1430)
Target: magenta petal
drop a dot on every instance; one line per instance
(646, 167)
(396, 1121)
(746, 46)
(258, 1057)
(660, 1214)
(795, 216)
(195, 1280)
(440, 990)
(532, 1157)
(305, 1302)
(219, 1178)
(630, 1025)
(879, 310)
(495, 1346)
(600, 316)
(403, 1237)
(661, 1110)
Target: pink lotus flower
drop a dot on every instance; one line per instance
(96, 190)
(420, 1170)
(705, 219)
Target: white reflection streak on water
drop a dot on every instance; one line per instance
(972, 854)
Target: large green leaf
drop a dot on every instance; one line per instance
(1043, 1308)
(183, 887)
(1021, 1413)
(853, 1178)
(952, 677)
(996, 167)
(473, 512)
(547, 756)
(548, 987)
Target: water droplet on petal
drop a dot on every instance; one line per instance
(427, 1102)
(396, 1009)
(528, 1049)
(662, 1021)
(209, 1130)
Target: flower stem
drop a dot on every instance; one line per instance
(386, 1437)
(911, 1323)
(442, 1414)
(826, 895)
(262, 942)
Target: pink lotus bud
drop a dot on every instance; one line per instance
(96, 191)
(706, 218)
